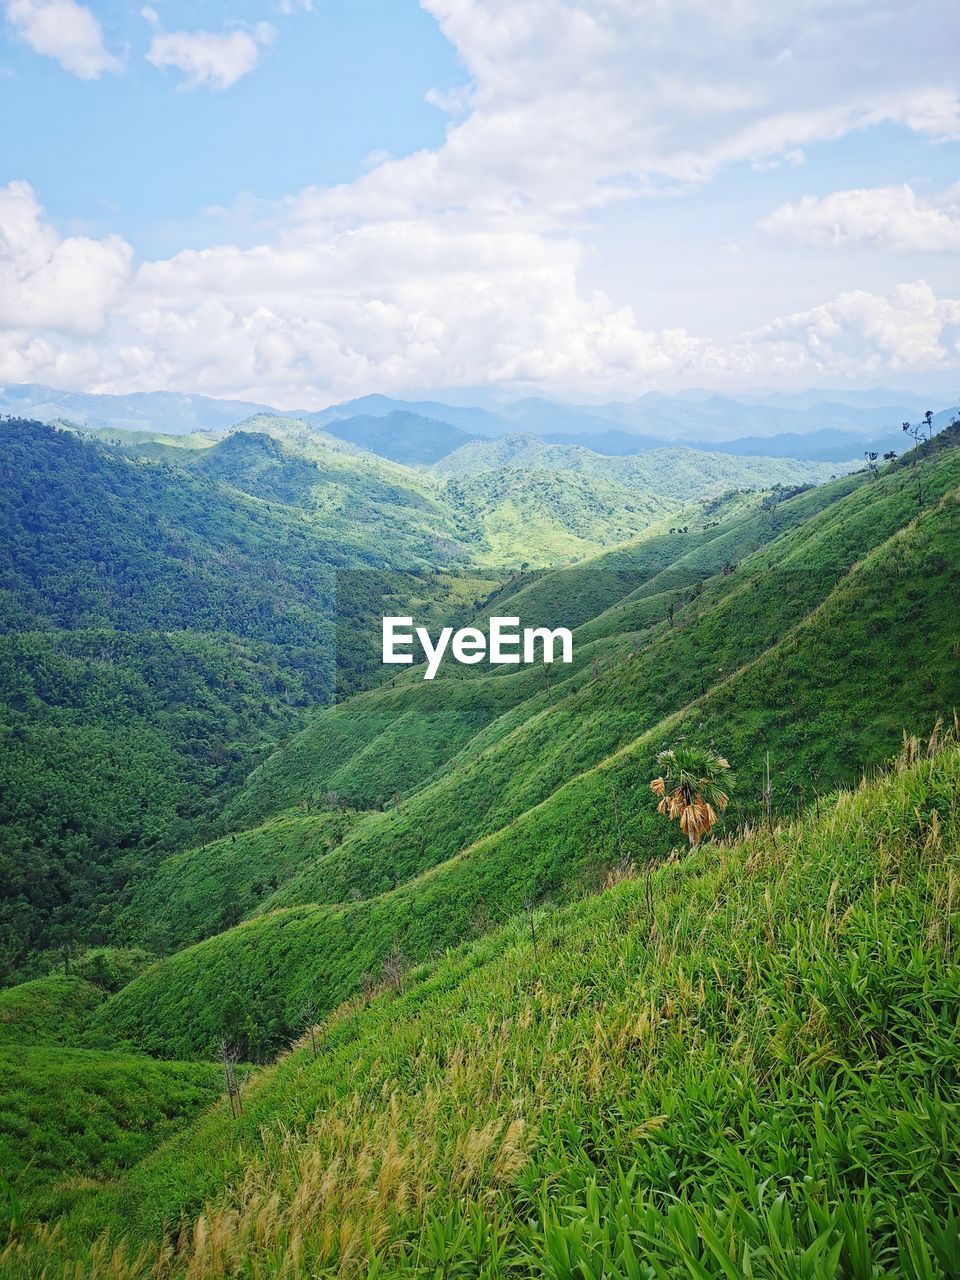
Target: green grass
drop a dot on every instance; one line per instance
(741, 1063)
(69, 1116)
(201, 891)
(745, 1064)
(50, 1010)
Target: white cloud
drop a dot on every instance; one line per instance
(402, 306)
(65, 31)
(573, 105)
(863, 334)
(216, 60)
(883, 217)
(461, 265)
(47, 283)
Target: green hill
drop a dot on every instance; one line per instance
(50, 1010)
(69, 1117)
(401, 436)
(201, 891)
(818, 648)
(680, 473)
(548, 517)
(541, 504)
(161, 626)
(740, 1064)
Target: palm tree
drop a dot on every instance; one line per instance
(693, 789)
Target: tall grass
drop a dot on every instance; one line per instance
(747, 1067)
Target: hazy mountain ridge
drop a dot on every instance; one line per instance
(427, 429)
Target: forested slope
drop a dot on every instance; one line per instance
(160, 628)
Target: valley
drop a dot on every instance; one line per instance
(285, 927)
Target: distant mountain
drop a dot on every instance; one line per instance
(826, 445)
(167, 411)
(872, 398)
(825, 425)
(401, 436)
(543, 416)
(467, 418)
(720, 418)
(829, 444)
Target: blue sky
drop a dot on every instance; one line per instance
(302, 201)
(131, 153)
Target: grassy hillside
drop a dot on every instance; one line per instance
(540, 504)
(548, 517)
(819, 653)
(69, 1117)
(743, 1064)
(50, 1010)
(697, 605)
(391, 741)
(203, 890)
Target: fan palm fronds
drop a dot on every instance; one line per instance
(694, 789)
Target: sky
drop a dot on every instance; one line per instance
(299, 201)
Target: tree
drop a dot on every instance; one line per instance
(693, 788)
(919, 433)
(229, 1057)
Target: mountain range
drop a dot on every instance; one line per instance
(826, 426)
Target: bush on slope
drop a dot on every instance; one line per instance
(743, 1066)
(828, 698)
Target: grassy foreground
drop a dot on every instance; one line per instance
(745, 1064)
